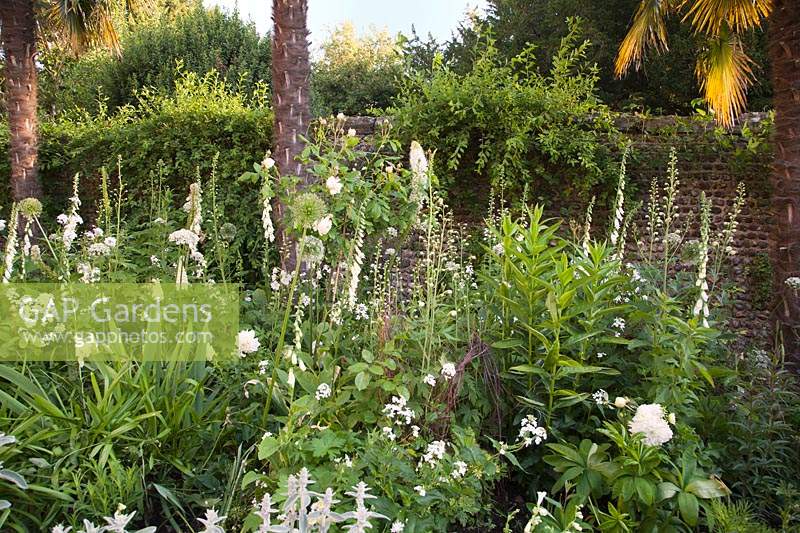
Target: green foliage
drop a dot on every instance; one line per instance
(356, 74)
(184, 132)
(504, 121)
(758, 436)
(199, 41)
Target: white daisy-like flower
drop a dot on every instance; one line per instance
(398, 526)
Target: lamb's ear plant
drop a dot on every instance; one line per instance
(10, 477)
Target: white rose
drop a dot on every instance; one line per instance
(268, 163)
(323, 225)
(334, 185)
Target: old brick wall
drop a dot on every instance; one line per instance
(715, 164)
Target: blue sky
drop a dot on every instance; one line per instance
(439, 17)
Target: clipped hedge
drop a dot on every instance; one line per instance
(185, 131)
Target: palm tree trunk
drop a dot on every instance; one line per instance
(18, 40)
(291, 71)
(784, 54)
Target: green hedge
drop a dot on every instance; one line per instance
(184, 131)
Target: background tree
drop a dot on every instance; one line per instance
(199, 39)
(82, 24)
(725, 72)
(665, 86)
(355, 73)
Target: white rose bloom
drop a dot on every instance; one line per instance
(334, 185)
(324, 225)
(247, 342)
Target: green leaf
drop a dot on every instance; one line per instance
(13, 477)
(689, 507)
(708, 488)
(646, 490)
(508, 343)
(168, 495)
(362, 380)
(667, 490)
(267, 447)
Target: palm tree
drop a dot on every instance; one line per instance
(725, 73)
(291, 71)
(82, 23)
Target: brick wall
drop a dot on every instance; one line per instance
(710, 163)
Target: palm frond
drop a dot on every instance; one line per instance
(709, 16)
(89, 22)
(648, 30)
(725, 73)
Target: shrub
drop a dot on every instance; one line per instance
(201, 41)
(202, 126)
(504, 121)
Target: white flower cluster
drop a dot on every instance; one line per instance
(194, 207)
(247, 342)
(619, 325)
(430, 380)
(434, 452)
(99, 246)
(323, 391)
(448, 371)
(89, 274)
(531, 432)
(185, 237)
(114, 524)
(649, 420)
(70, 222)
(419, 173)
(398, 411)
(459, 470)
(299, 510)
(793, 283)
(600, 397)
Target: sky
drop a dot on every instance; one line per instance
(439, 17)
